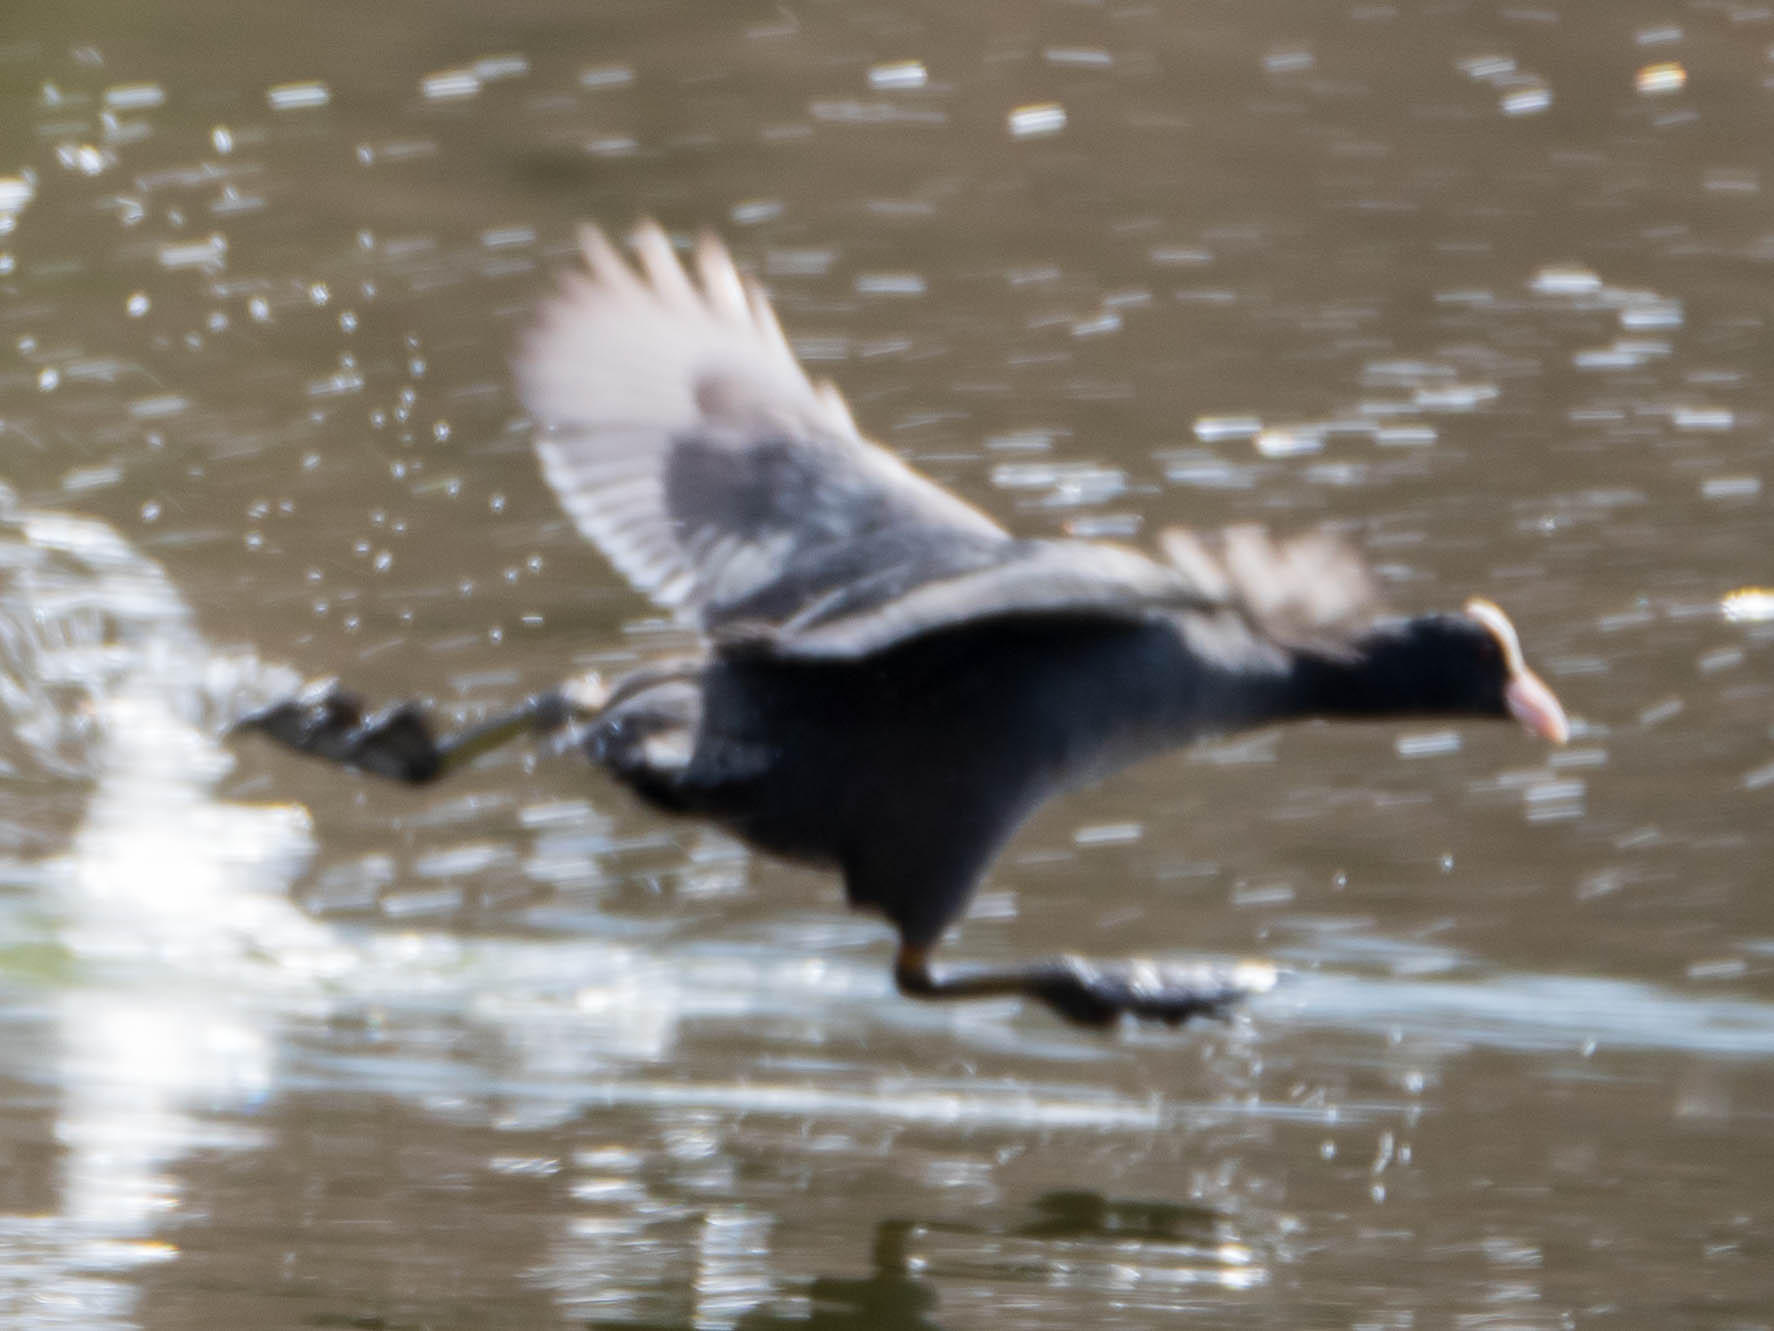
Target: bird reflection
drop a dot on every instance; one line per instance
(1076, 1214)
(890, 1296)
(896, 1296)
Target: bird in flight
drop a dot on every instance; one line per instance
(887, 682)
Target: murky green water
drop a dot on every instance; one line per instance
(1485, 285)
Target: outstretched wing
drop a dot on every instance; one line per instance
(685, 440)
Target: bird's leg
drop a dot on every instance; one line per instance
(398, 742)
(1093, 993)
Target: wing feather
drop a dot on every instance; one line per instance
(685, 440)
(1030, 579)
(1310, 588)
(673, 413)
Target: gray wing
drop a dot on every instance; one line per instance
(1051, 579)
(1311, 589)
(685, 440)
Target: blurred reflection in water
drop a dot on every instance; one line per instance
(890, 1296)
(1074, 1231)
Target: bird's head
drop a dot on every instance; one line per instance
(1501, 681)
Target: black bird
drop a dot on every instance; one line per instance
(888, 681)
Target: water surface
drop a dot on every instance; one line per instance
(1482, 285)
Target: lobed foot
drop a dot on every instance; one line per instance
(1095, 993)
(326, 722)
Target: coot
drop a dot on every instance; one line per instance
(888, 681)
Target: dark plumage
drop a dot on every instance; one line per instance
(891, 682)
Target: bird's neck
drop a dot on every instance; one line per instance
(1097, 701)
(1194, 678)
(1397, 668)
(1224, 679)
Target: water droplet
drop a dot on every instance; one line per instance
(1661, 79)
(1288, 60)
(134, 96)
(85, 158)
(605, 76)
(298, 96)
(1527, 101)
(450, 85)
(890, 284)
(1037, 119)
(753, 211)
(897, 75)
(1749, 605)
(1286, 442)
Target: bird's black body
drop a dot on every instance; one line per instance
(909, 769)
(906, 770)
(888, 681)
